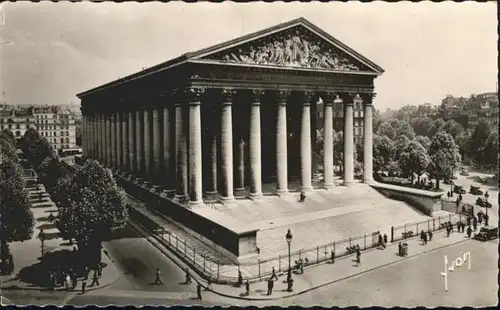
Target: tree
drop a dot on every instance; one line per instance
(399, 145)
(38, 151)
(17, 220)
(95, 208)
(478, 141)
(453, 128)
(29, 137)
(8, 150)
(50, 171)
(463, 143)
(444, 155)
(424, 141)
(491, 149)
(414, 160)
(422, 126)
(435, 127)
(338, 149)
(8, 136)
(383, 150)
(387, 130)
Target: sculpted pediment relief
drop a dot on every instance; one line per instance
(296, 47)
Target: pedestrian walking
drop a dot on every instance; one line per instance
(385, 239)
(158, 280)
(400, 249)
(209, 284)
(240, 279)
(463, 227)
(247, 288)
(188, 277)
(448, 230)
(84, 285)
(95, 279)
(358, 257)
(301, 266)
(273, 274)
(67, 279)
(99, 271)
(469, 231)
(430, 235)
(468, 220)
(451, 226)
(474, 224)
(422, 236)
(198, 291)
(52, 281)
(270, 285)
(332, 257)
(425, 238)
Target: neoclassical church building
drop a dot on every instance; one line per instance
(226, 119)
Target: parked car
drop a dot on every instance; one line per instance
(458, 189)
(483, 180)
(483, 203)
(464, 172)
(487, 233)
(447, 181)
(474, 190)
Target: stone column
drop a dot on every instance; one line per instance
(255, 146)
(84, 135)
(195, 153)
(91, 136)
(139, 144)
(213, 133)
(101, 133)
(368, 138)
(168, 149)
(124, 130)
(180, 150)
(348, 139)
(119, 140)
(227, 145)
(112, 145)
(305, 144)
(157, 149)
(132, 167)
(281, 144)
(108, 140)
(328, 141)
(147, 144)
(239, 184)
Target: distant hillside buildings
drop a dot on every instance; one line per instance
(55, 123)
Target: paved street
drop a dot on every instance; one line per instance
(409, 283)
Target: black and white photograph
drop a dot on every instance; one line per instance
(335, 154)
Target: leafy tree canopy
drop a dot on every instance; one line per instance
(414, 159)
(424, 141)
(383, 150)
(453, 128)
(9, 136)
(444, 154)
(30, 136)
(38, 151)
(386, 129)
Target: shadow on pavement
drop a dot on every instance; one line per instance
(47, 226)
(46, 205)
(60, 262)
(123, 233)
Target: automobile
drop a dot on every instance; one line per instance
(474, 190)
(483, 203)
(487, 233)
(464, 172)
(457, 189)
(447, 181)
(483, 180)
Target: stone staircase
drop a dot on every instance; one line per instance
(271, 242)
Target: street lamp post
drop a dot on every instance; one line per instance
(42, 237)
(486, 195)
(457, 202)
(451, 185)
(289, 238)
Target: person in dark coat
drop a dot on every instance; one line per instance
(448, 231)
(95, 279)
(158, 277)
(400, 249)
(430, 235)
(474, 224)
(385, 238)
(468, 220)
(198, 291)
(358, 257)
(247, 288)
(469, 231)
(425, 238)
(273, 274)
(270, 285)
(84, 285)
(422, 235)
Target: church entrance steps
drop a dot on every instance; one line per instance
(323, 231)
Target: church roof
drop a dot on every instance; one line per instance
(266, 48)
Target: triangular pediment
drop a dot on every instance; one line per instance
(297, 44)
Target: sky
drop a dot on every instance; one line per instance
(52, 51)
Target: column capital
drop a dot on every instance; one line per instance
(256, 95)
(227, 95)
(349, 97)
(307, 97)
(282, 96)
(368, 98)
(330, 98)
(193, 94)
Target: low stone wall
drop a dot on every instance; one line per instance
(426, 201)
(229, 234)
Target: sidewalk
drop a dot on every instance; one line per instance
(323, 274)
(29, 269)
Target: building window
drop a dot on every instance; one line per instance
(62, 140)
(17, 126)
(18, 133)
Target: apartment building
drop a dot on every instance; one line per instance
(16, 120)
(57, 125)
